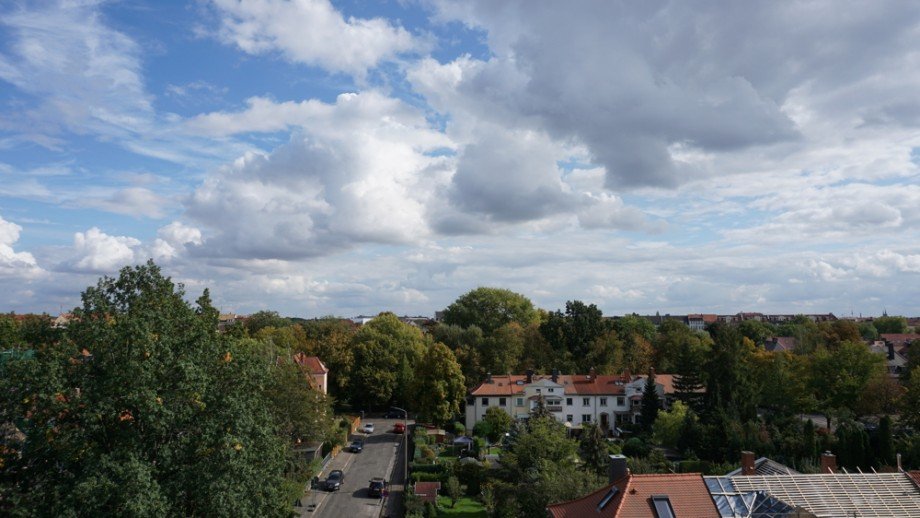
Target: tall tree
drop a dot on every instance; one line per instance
(143, 410)
(840, 377)
(689, 385)
(498, 422)
(885, 450)
(438, 388)
(727, 386)
(329, 339)
(574, 332)
(593, 448)
(650, 401)
(489, 309)
(386, 352)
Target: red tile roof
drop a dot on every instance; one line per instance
(427, 491)
(915, 476)
(576, 384)
(312, 363)
(687, 493)
(899, 338)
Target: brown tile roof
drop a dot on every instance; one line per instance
(427, 491)
(899, 338)
(312, 363)
(686, 492)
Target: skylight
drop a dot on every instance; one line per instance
(607, 498)
(662, 506)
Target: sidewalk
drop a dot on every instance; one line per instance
(393, 506)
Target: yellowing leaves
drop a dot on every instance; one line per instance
(228, 357)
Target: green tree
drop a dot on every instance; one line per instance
(840, 377)
(890, 325)
(453, 489)
(910, 403)
(575, 331)
(868, 331)
(809, 443)
(501, 352)
(593, 448)
(669, 425)
(728, 386)
(261, 319)
(439, 388)
(385, 354)
(143, 410)
(329, 339)
(650, 402)
(489, 309)
(9, 332)
(756, 331)
(498, 422)
(689, 385)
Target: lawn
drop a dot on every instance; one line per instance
(466, 508)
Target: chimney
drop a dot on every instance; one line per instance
(555, 375)
(617, 468)
(828, 462)
(529, 376)
(488, 377)
(592, 374)
(747, 463)
(890, 349)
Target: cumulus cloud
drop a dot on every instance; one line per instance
(15, 264)
(311, 32)
(359, 171)
(94, 251)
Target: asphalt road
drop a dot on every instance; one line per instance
(377, 460)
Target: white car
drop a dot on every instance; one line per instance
(368, 428)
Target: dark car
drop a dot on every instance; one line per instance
(376, 487)
(393, 414)
(334, 480)
(356, 446)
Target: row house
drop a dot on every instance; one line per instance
(573, 399)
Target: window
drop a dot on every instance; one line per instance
(585, 418)
(603, 401)
(568, 401)
(585, 401)
(549, 390)
(662, 506)
(538, 391)
(569, 418)
(621, 401)
(520, 401)
(485, 401)
(501, 401)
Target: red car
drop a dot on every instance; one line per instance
(399, 428)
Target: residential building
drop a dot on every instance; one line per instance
(780, 343)
(641, 496)
(895, 362)
(574, 399)
(315, 369)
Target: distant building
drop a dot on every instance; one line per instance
(315, 369)
(575, 399)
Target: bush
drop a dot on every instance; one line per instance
(482, 429)
(459, 428)
(428, 453)
(635, 447)
(417, 467)
(472, 476)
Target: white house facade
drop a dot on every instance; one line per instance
(580, 398)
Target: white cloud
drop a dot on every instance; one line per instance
(15, 264)
(358, 171)
(94, 251)
(311, 32)
(132, 201)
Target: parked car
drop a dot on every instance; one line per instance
(368, 428)
(399, 428)
(334, 480)
(393, 414)
(376, 487)
(356, 446)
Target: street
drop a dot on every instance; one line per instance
(379, 459)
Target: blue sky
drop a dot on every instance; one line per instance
(319, 157)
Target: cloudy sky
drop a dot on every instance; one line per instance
(319, 157)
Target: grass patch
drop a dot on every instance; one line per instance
(466, 508)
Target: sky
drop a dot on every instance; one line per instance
(342, 158)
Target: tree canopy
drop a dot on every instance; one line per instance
(489, 309)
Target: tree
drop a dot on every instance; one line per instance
(489, 309)
(453, 490)
(840, 377)
(688, 380)
(498, 421)
(385, 354)
(144, 410)
(501, 352)
(910, 403)
(261, 319)
(575, 331)
(330, 339)
(890, 325)
(809, 444)
(885, 451)
(756, 331)
(650, 402)
(668, 425)
(593, 448)
(868, 331)
(439, 388)
(727, 385)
